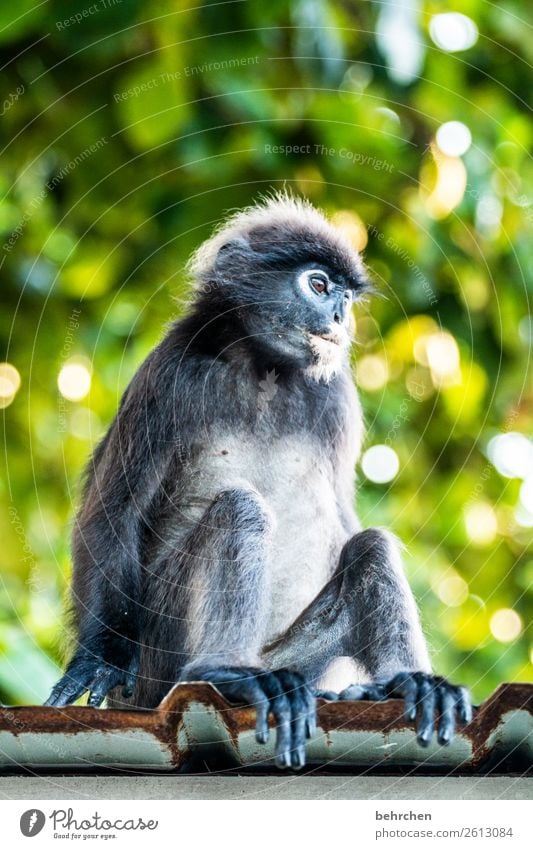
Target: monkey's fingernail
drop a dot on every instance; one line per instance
(445, 738)
(283, 760)
(424, 738)
(298, 758)
(466, 715)
(329, 695)
(261, 736)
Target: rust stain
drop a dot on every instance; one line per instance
(165, 722)
(506, 698)
(73, 720)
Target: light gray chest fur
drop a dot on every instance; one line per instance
(306, 498)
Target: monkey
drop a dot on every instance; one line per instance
(218, 538)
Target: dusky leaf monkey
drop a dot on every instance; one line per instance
(218, 539)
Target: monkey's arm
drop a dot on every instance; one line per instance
(227, 610)
(367, 612)
(386, 638)
(126, 471)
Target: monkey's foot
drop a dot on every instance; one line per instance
(283, 693)
(89, 672)
(424, 695)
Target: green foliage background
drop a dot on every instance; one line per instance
(127, 135)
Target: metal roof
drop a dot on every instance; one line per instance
(194, 724)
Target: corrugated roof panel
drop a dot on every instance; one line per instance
(194, 722)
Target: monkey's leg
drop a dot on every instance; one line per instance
(367, 612)
(222, 602)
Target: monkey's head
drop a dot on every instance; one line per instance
(286, 279)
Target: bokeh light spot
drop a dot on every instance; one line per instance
(453, 138)
(450, 185)
(481, 523)
(511, 454)
(74, 380)
(452, 590)
(380, 463)
(452, 31)
(372, 372)
(9, 384)
(440, 352)
(489, 212)
(526, 494)
(506, 625)
(352, 226)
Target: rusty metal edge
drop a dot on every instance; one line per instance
(164, 721)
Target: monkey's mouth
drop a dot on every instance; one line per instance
(333, 338)
(327, 337)
(327, 346)
(328, 353)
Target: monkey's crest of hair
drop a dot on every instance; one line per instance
(289, 219)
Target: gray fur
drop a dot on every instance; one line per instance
(218, 537)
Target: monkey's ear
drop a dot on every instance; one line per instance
(235, 250)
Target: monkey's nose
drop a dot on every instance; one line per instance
(337, 317)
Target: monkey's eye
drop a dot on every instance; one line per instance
(318, 282)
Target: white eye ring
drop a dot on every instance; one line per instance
(316, 279)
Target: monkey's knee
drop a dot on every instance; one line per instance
(383, 630)
(241, 509)
(374, 586)
(371, 555)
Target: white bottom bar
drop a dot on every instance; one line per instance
(268, 824)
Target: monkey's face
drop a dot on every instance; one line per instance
(306, 320)
(287, 278)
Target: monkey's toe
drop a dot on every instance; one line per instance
(425, 698)
(93, 674)
(329, 695)
(284, 694)
(429, 696)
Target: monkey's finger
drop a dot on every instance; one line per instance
(410, 692)
(295, 689)
(464, 705)
(103, 682)
(298, 728)
(262, 707)
(352, 693)
(280, 708)
(65, 693)
(364, 692)
(96, 698)
(299, 734)
(405, 686)
(329, 695)
(242, 685)
(129, 684)
(374, 692)
(254, 695)
(447, 700)
(310, 703)
(426, 721)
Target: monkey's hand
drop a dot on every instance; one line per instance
(87, 671)
(424, 695)
(283, 693)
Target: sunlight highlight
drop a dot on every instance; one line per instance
(74, 380)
